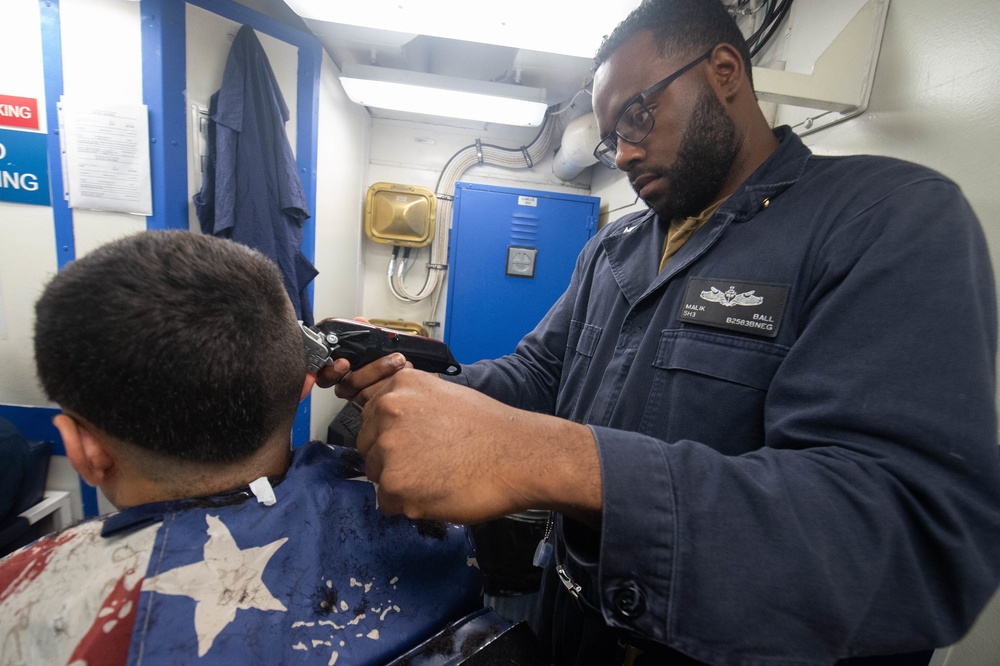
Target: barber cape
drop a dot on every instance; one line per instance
(321, 576)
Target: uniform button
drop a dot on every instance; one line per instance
(629, 600)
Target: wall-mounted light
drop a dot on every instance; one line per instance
(450, 97)
(568, 27)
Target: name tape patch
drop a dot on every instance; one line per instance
(749, 307)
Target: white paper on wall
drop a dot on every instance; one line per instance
(106, 156)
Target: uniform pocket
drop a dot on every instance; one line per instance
(583, 337)
(710, 388)
(731, 358)
(581, 344)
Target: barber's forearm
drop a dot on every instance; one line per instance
(560, 469)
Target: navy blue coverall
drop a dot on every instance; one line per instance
(795, 421)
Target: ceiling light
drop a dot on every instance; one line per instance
(567, 27)
(435, 95)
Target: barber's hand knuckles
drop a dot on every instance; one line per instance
(432, 457)
(333, 374)
(413, 481)
(378, 415)
(361, 384)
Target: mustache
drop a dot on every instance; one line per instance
(645, 174)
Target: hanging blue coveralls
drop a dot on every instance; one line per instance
(251, 191)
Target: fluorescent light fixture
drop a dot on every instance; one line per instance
(450, 97)
(566, 27)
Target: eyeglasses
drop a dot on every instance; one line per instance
(635, 121)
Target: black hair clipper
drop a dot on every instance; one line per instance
(362, 343)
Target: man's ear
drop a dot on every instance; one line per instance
(86, 452)
(307, 385)
(728, 71)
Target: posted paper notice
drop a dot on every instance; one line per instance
(106, 157)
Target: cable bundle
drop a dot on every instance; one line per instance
(775, 12)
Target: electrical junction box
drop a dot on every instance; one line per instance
(400, 325)
(400, 214)
(511, 255)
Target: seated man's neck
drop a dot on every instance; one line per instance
(173, 479)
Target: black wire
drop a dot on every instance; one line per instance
(765, 21)
(774, 13)
(772, 23)
(782, 12)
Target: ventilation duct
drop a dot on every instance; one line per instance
(576, 151)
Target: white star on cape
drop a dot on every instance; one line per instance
(226, 580)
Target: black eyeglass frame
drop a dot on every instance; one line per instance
(609, 142)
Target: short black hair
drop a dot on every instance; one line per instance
(178, 343)
(679, 27)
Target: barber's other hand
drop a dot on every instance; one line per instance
(359, 385)
(438, 450)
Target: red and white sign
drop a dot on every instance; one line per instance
(18, 111)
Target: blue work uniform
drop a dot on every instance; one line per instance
(795, 422)
(251, 191)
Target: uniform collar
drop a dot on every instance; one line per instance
(776, 174)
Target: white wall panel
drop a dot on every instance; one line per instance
(102, 50)
(27, 238)
(102, 63)
(22, 74)
(27, 261)
(341, 167)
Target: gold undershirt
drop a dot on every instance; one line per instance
(681, 230)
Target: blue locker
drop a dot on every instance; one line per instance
(511, 255)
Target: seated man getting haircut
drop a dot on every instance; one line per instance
(178, 364)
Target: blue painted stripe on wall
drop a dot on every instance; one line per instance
(307, 130)
(163, 85)
(35, 423)
(53, 73)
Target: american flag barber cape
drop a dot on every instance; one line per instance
(319, 577)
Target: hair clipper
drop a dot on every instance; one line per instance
(362, 343)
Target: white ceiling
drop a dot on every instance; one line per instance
(562, 76)
(524, 42)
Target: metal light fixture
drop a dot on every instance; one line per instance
(450, 97)
(567, 27)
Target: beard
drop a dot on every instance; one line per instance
(703, 162)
